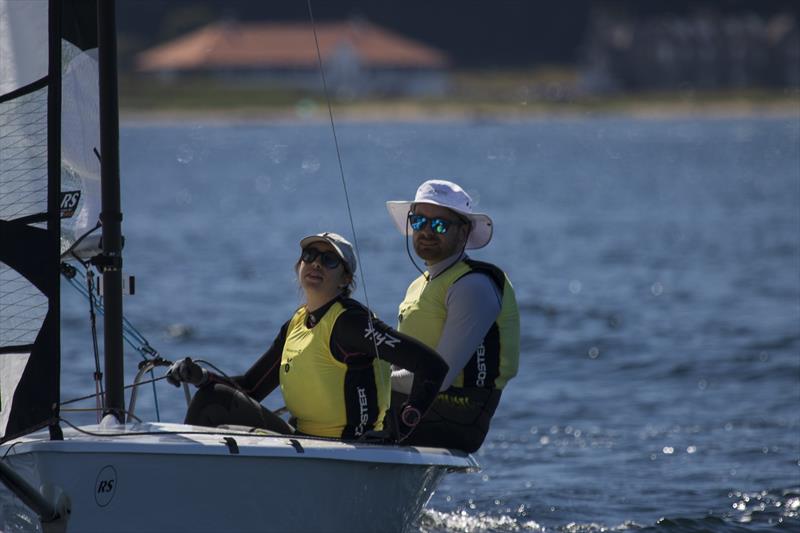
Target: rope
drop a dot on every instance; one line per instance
(90, 409)
(211, 431)
(234, 385)
(90, 396)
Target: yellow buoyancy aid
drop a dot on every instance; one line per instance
(329, 398)
(424, 311)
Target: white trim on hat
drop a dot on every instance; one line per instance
(448, 195)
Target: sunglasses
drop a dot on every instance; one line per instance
(329, 260)
(438, 225)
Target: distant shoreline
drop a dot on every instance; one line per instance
(375, 111)
(472, 96)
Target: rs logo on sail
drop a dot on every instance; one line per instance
(69, 201)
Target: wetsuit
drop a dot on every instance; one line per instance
(331, 380)
(465, 309)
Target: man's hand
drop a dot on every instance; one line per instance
(187, 371)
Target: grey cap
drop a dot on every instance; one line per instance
(342, 246)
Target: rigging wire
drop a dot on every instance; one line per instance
(372, 331)
(98, 374)
(344, 181)
(130, 334)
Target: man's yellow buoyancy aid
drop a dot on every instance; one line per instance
(423, 314)
(328, 397)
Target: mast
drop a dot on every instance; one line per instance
(111, 213)
(54, 24)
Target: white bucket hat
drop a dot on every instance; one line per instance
(445, 194)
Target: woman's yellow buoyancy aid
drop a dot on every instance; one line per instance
(328, 397)
(424, 311)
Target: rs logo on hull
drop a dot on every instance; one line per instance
(105, 486)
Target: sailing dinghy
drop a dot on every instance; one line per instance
(58, 150)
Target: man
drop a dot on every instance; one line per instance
(464, 309)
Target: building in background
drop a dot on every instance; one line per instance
(359, 58)
(704, 50)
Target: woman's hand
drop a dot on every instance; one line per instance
(187, 371)
(407, 421)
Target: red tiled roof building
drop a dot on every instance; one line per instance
(357, 56)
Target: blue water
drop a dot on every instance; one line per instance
(656, 263)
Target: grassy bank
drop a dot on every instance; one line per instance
(508, 94)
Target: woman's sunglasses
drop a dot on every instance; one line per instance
(329, 260)
(438, 225)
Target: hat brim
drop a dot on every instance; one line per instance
(479, 236)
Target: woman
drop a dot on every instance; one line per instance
(324, 360)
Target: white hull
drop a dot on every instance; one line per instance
(171, 477)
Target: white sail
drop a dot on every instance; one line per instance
(80, 146)
(23, 43)
(26, 282)
(45, 175)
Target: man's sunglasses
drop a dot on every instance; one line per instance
(329, 260)
(438, 225)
